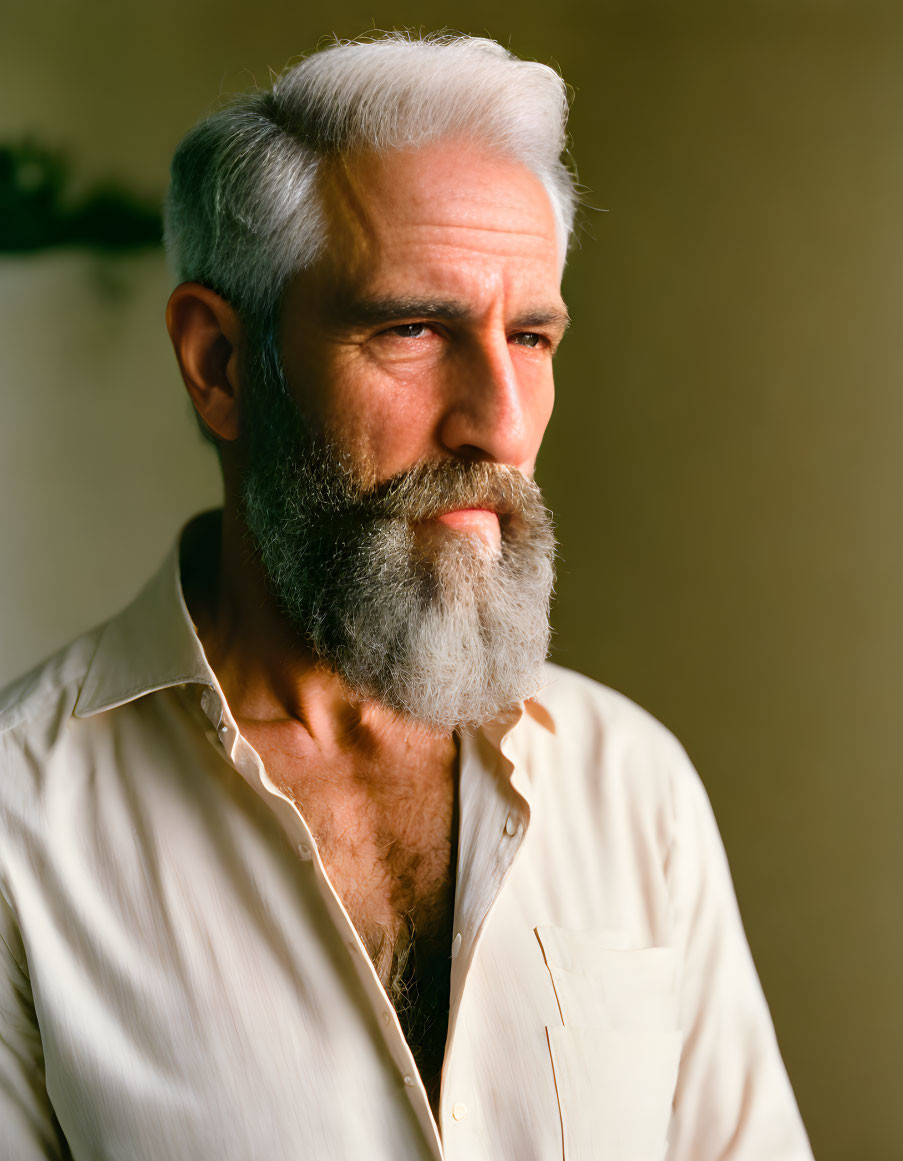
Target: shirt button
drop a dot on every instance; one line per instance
(305, 852)
(510, 826)
(409, 1081)
(459, 1112)
(456, 945)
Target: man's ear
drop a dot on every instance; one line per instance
(206, 335)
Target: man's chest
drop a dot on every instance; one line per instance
(385, 828)
(391, 864)
(386, 835)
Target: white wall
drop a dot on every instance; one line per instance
(100, 462)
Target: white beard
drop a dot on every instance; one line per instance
(446, 633)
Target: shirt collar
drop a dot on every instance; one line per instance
(152, 644)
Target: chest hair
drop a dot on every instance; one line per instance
(385, 824)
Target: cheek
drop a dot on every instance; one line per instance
(539, 402)
(539, 397)
(384, 423)
(547, 402)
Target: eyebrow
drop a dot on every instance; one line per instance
(549, 316)
(366, 311)
(377, 310)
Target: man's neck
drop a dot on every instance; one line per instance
(268, 673)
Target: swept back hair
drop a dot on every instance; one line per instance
(243, 212)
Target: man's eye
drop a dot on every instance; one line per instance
(528, 339)
(409, 330)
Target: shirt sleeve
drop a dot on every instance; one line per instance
(733, 1100)
(28, 1128)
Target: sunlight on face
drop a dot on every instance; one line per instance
(427, 329)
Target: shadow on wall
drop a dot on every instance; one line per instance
(39, 208)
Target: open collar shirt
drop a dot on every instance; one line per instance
(179, 980)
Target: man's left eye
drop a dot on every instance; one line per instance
(527, 339)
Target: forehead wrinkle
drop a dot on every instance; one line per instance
(492, 241)
(432, 285)
(485, 227)
(374, 224)
(493, 257)
(392, 208)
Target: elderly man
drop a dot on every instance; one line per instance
(308, 853)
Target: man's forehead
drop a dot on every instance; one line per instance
(448, 193)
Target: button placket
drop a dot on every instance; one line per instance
(306, 851)
(305, 847)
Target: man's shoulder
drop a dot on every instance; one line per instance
(47, 694)
(146, 646)
(603, 743)
(606, 767)
(580, 705)
(36, 715)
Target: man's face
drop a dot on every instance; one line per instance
(389, 444)
(426, 329)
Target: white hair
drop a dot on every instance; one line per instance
(243, 215)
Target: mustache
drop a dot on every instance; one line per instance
(433, 487)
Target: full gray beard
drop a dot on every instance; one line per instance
(443, 631)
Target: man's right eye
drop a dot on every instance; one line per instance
(408, 330)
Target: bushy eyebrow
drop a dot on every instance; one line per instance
(554, 316)
(364, 311)
(370, 311)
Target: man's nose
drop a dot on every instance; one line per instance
(492, 413)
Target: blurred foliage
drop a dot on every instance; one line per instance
(38, 211)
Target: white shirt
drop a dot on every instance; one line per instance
(180, 981)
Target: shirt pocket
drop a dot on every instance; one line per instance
(601, 982)
(615, 1056)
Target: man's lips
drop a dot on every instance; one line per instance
(482, 522)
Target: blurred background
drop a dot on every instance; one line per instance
(724, 461)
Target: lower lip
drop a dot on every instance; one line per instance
(476, 521)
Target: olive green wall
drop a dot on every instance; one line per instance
(724, 459)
